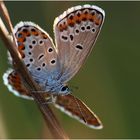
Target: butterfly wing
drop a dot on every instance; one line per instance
(37, 51)
(68, 103)
(14, 83)
(78, 110)
(76, 31)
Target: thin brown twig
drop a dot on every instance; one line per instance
(50, 119)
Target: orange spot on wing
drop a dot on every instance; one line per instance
(18, 79)
(76, 19)
(89, 16)
(21, 53)
(17, 84)
(15, 80)
(98, 21)
(27, 34)
(34, 33)
(71, 22)
(83, 16)
(60, 27)
(44, 35)
(21, 47)
(93, 18)
(21, 39)
(17, 87)
(64, 26)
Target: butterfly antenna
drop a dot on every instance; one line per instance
(73, 88)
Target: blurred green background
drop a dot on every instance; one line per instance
(109, 82)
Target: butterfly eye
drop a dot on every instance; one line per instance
(64, 88)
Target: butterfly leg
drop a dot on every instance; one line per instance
(50, 99)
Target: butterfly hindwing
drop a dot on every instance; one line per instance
(14, 83)
(68, 103)
(78, 110)
(76, 31)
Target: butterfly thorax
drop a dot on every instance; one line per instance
(50, 82)
(56, 87)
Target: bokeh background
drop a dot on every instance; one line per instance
(109, 82)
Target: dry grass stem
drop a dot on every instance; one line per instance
(49, 117)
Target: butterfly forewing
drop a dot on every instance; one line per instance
(37, 51)
(76, 31)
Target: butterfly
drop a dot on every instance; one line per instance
(53, 65)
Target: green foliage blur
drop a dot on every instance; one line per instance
(109, 82)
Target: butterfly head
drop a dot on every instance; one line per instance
(61, 89)
(64, 89)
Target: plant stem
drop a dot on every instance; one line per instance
(49, 117)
